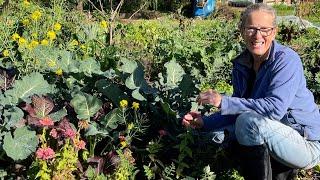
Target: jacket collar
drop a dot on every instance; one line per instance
(246, 59)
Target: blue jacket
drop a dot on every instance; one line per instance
(279, 92)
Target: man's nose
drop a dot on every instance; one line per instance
(258, 33)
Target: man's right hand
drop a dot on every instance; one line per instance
(193, 120)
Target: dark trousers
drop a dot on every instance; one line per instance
(257, 164)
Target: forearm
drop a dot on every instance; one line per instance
(217, 121)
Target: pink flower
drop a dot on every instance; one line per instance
(45, 153)
(79, 144)
(46, 121)
(69, 133)
(122, 138)
(162, 132)
(54, 133)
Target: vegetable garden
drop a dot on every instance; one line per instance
(88, 96)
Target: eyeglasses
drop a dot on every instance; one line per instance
(251, 31)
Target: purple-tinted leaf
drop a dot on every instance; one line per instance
(100, 163)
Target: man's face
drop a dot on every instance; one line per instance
(259, 33)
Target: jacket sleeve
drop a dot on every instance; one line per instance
(217, 121)
(284, 83)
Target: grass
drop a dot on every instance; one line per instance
(308, 11)
(284, 10)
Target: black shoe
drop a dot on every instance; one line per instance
(255, 162)
(282, 172)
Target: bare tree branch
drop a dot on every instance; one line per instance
(101, 12)
(113, 15)
(115, 12)
(138, 10)
(101, 6)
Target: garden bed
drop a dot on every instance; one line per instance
(80, 102)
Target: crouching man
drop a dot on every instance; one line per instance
(273, 112)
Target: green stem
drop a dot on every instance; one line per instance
(2, 153)
(92, 145)
(106, 146)
(123, 115)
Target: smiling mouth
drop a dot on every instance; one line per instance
(257, 44)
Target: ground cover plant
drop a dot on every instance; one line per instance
(76, 106)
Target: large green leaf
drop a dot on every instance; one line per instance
(110, 74)
(3, 101)
(95, 130)
(31, 84)
(167, 109)
(187, 86)
(130, 82)
(85, 105)
(21, 145)
(113, 118)
(89, 67)
(136, 79)
(57, 116)
(128, 66)
(136, 82)
(90, 30)
(112, 91)
(174, 74)
(67, 63)
(12, 116)
(46, 54)
(138, 96)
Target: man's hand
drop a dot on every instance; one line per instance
(210, 97)
(193, 120)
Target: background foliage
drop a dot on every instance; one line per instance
(94, 108)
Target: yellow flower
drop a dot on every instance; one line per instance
(57, 26)
(123, 144)
(51, 35)
(59, 72)
(130, 126)
(123, 103)
(15, 36)
(44, 42)
(25, 22)
(6, 53)
(104, 24)
(135, 105)
(83, 47)
(51, 63)
(36, 15)
(74, 43)
(26, 3)
(22, 41)
(33, 44)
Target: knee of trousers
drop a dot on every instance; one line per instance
(246, 129)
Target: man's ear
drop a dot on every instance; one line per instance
(275, 30)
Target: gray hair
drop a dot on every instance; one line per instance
(256, 7)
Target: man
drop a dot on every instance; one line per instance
(273, 112)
